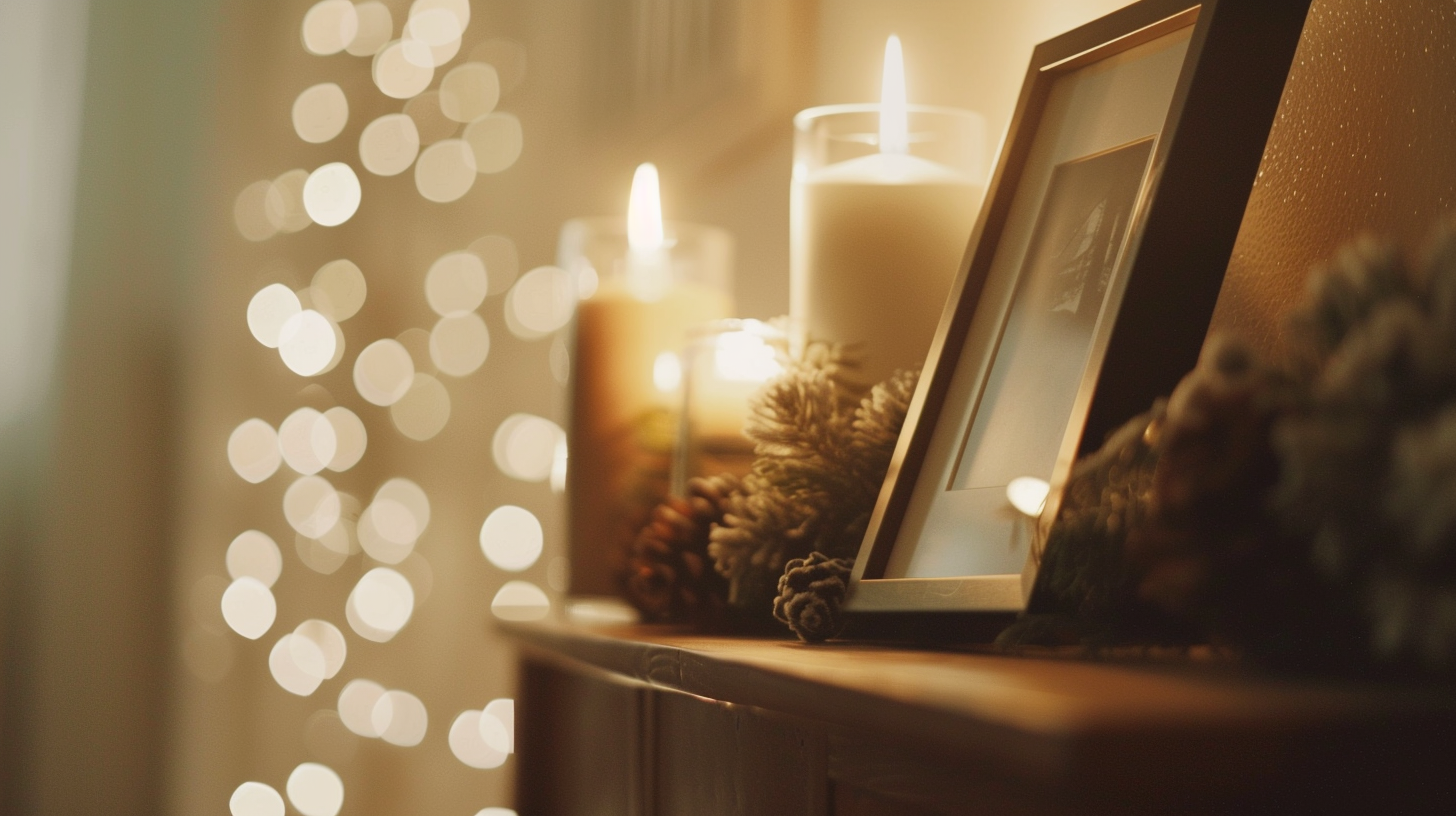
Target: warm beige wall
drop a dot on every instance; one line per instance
(1362, 144)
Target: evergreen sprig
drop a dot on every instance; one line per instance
(823, 443)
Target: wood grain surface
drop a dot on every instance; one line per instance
(930, 728)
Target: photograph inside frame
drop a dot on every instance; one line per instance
(1044, 348)
(1033, 341)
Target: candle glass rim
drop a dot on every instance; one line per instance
(807, 115)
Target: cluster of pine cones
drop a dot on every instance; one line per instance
(1304, 512)
(780, 540)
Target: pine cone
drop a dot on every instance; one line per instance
(670, 577)
(1208, 523)
(1084, 575)
(811, 595)
(1369, 457)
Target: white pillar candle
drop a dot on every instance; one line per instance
(879, 236)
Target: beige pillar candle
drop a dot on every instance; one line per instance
(883, 201)
(646, 284)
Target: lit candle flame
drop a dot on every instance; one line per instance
(894, 116)
(644, 210)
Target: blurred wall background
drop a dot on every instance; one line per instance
(129, 129)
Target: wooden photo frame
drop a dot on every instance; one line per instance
(1086, 291)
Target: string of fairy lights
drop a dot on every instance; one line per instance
(449, 133)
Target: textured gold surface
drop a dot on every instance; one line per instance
(1364, 141)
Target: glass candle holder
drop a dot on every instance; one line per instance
(725, 363)
(878, 231)
(636, 309)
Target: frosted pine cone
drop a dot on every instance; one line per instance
(811, 596)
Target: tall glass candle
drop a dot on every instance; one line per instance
(646, 282)
(883, 199)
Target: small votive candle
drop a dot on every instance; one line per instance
(724, 366)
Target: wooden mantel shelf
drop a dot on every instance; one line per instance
(1068, 734)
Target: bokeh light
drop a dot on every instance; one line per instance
(398, 76)
(524, 446)
(322, 558)
(269, 309)
(297, 665)
(495, 141)
(376, 26)
(400, 531)
(330, 642)
(329, 27)
(351, 438)
(469, 91)
(502, 261)
(459, 8)
(250, 213)
(312, 506)
(315, 790)
(380, 604)
(508, 57)
(459, 344)
(511, 538)
(320, 113)
(456, 283)
(424, 410)
(667, 372)
(541, 302)
(383, 372)
(558, 466)
(332, 194)
(249, 608)
(254, 554)
(356, 706)
(309, 344)
(338, 290)
(389, 144)
(469, 747)
(445, 171)
(520, 601)
(283, 205)
(338, 542)
(393, 522)
(253, 450)
(502, 712)
(400, 718)
(307, 440)
(255, 799)
(434, 26)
